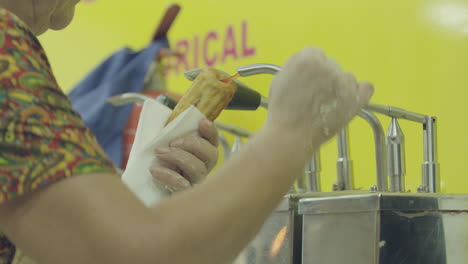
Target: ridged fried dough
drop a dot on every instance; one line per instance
(208, 93)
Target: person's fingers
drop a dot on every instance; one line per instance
(193, 169)
(169, 179)
(365, 92)
(208, 131)
(200, 148)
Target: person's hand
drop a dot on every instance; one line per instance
(312, 96)
(188, 160)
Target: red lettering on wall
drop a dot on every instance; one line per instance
(229, 44)
(246, 51)
(212, 48)
(210, 36)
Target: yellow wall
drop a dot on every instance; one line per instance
(413, 51)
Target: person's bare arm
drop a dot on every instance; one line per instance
(95, 219)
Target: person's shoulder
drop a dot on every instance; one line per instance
(20, 50)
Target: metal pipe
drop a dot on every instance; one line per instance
(259, 68)
(396, 156)
(379, 139)
(127, 98)
(344, 164)
(300, 185)
(237, 144)
(267, 68)
(264, 102)
(396, 112)
(312, 173)
(225, 146)
(430, 167)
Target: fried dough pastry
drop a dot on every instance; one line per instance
(210, 93)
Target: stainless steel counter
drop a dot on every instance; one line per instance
(364, 228)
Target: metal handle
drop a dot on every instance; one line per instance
(312, 173)
(380, 155)
(396, 112)
(344, 163)
(225, 146)
(259, 68)
(430, 166)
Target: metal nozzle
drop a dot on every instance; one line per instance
(396, 157)
(259, 68)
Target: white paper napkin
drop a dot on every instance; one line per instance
(150, 135)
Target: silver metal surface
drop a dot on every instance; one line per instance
(396, 156)
(264, 102)
(236, 145)
(396, 112)
(380, 153)
(430, 167)
(259, 68)
(339, 238)
(275, 241)
(347, 202)
(273, 244)
(267, 68)
(127, 98)
(363, 228)
(384, 228)
(421, 189)
(225, 146)
(360, 201)
(312, 173)
(167, 101)
(344, 163)
(310, 180)
(301, 185)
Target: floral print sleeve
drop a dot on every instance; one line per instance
(42, 140)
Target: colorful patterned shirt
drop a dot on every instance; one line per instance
(42, 140)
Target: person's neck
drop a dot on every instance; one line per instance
(21, 11)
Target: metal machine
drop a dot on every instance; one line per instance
(380, 226)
